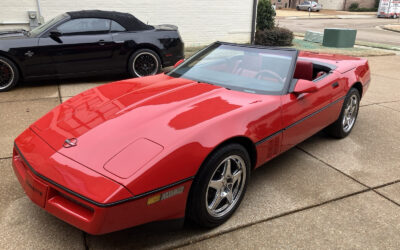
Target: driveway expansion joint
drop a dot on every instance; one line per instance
(378, 103)
(59, 92)
(270, 218)
(84, 237)
(30, 100)
(373, 189)
(332, 167)
(388, 108)
(5, 158)
(387, 198)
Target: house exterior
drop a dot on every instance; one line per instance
(200, 22)
(327, 4)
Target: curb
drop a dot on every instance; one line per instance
(388, 29)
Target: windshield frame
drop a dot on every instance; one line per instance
(54, 22)
(285, 88)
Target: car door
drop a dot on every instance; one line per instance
(81, 45)
(305, 114)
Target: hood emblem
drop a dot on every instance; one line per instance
(71, 142)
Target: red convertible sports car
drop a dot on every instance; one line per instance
(183, 144)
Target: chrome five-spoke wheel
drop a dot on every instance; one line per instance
(225, 186)
(219, 186)
(350, 113)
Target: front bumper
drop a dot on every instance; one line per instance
(96, 218)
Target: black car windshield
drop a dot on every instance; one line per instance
(244, 68)
(40, 29)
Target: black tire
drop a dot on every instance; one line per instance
(199, 209)
(149, 64)
(338, 128)
(298, 8)
(9, 74)
(309, 9)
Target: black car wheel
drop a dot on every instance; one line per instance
(144, 62)
(8, 74)
(298, 8)
(348, 116)
(219, 187)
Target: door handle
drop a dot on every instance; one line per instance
(335, 85)
(102, 42)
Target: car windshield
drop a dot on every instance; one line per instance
(38, 30)
(248, 69)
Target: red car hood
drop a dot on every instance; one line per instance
(156, 110)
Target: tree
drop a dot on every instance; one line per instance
(265, 15)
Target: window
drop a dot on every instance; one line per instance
(248, 69)
(36, 31)
(84, 25)
(115, 27)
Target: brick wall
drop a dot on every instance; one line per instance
(200, 22)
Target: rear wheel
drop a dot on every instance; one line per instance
(8, 74)
(219, 186)
(298, 8)
(309, 9)
(144, 62)
(348, 116)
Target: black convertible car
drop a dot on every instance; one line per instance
(89, 42)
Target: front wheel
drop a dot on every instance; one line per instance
(8, 74)
(219, 186)
(144, 62)
(348, 116)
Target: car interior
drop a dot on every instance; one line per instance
(310, 71)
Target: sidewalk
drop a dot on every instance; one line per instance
(323, 14)
(392, 27)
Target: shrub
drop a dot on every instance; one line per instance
(353, 7)
(274, 37)
(265, 15)
(377, 4)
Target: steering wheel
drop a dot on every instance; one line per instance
(269, 73)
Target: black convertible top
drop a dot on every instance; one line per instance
(128, 21)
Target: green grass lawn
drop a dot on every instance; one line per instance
(356, 51)
(300, 44)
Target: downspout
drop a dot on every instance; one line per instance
(253, 22)
(40, 19)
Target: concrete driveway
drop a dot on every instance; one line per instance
(325, 193)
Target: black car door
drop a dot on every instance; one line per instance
(80, 45)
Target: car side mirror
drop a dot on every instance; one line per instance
(55, 35)
(304, 86)
(178, 63)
